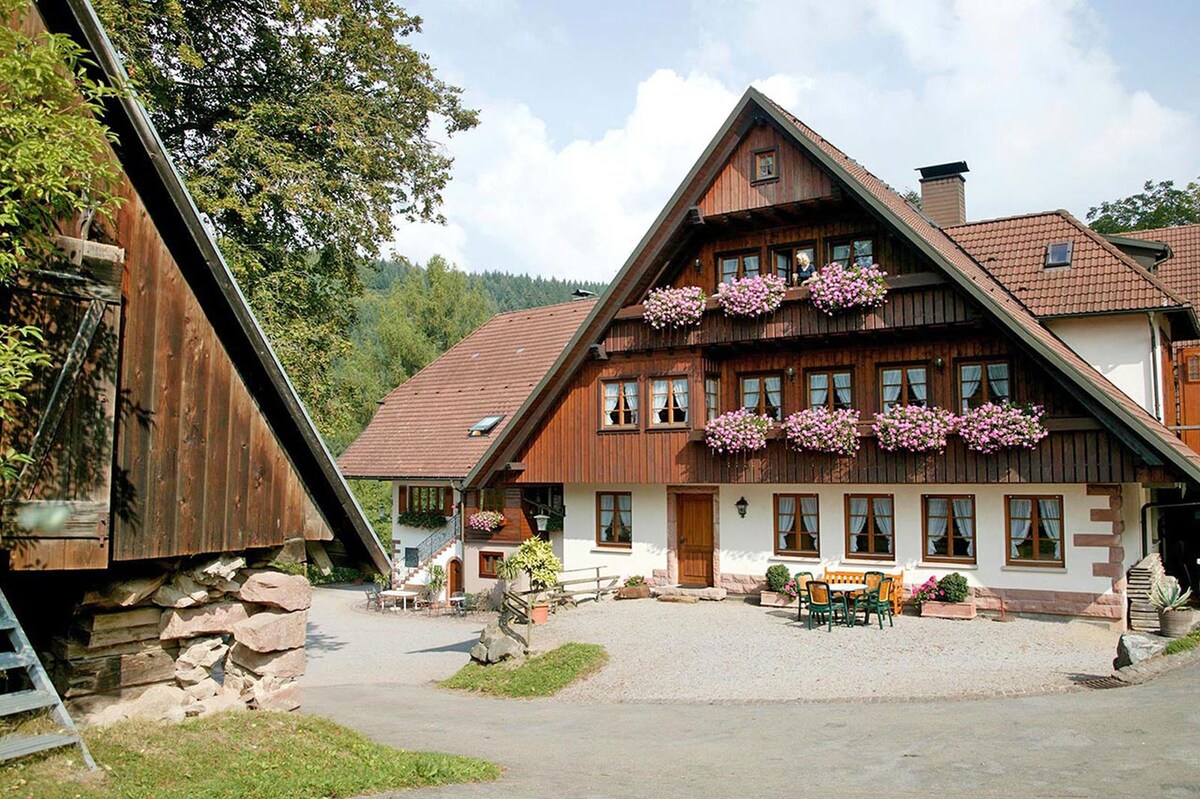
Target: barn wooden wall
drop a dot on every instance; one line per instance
(733, 190)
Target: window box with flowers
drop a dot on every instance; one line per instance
(674, 307)
(751, 297)
(823, 430)
(947, 598)
(737, 431)
(992, 427)
(836, 288)
(486, 521)
(914, 428)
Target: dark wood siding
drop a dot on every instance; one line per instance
(734, 190)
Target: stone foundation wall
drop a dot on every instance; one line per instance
(203, 636)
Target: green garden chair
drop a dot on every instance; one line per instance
(802, 580)
(822, 603)
(878, 601)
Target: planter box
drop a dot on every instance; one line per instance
(633, 592)
(949, 610)
(1177, 623)
(772, 599)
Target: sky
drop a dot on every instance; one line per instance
(593, 113)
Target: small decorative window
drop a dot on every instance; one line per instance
(903, 385)
(489, 563)
(870, 532)
(732, 267)
(669, 396)
(1193, 368)
(949, 528)
(797, 525)
(1035, 530)
(620, 403)
(983, 382)
(766, 165)
(763, 394)
(1058, 254)
(712, 397)
(830, 389)
(492, 499)
(795, 264)
(614, 519)
(856, 251)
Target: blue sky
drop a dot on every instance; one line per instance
(593, 112)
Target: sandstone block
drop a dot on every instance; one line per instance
(272, 630)
(223, 701)
(125, 593)
(292, 551)
(284, 664)
(285, 698)
(202, 652)
(220, 617)
(679, 599)
(286, 591)
(182, 592)
(157, 703)
(218, 570)
(205, 689)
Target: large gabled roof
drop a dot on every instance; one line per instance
(152, 173)
(1128, 420)
(420, 429)
(1182, 270)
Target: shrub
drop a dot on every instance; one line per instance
(737, 431)
(835, 288)
(422, 519)
(674, 307)
(635, 581)
(751, 296)
(914, 428)
(485, 521)
(777, 577)
(823, 430)
(992, 427)
(536, 558)
(952, 588)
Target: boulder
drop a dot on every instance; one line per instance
(272, 630)
(284, 664)
(286, 591)
(496, 645)
(633, 592)
(205, 689)
(218, 570)
(224, 700)
(292, 551)
(1133, 648)
(156, 703)
(220, 617)
(285, 698)
(125, 593)
(182, 592)
(190, 675)
(203, 652)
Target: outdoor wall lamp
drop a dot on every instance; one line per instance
(791, 374)
(543, 521)
(697, 266)
(938, 362)
(742, 505)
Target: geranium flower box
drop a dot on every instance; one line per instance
(949, 610)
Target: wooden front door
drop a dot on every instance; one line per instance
(455, 576)
(694, 534)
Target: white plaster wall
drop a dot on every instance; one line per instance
(576, 544)
(1119, 346)
(403, 535)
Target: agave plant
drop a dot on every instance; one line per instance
(1166, 594)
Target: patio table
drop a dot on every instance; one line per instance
(402, 595)
(845, 589)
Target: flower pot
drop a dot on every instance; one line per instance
(540, 614)
(1177, 623)
(774, 599)
(633, 592)
(949, 610)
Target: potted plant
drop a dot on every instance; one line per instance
(635, 588)
(435, 581)
(914, 428)
(1175, 618)
(751, 297)
(535, 560)
(992, 427)
(947, 598)
(836, 288)
(674, 307)
(486, 521)
(775, 594)
(737, 431)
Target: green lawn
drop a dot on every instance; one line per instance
(543, 675)
(1184, 644)
(233, 755)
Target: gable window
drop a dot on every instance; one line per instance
(830, 389)
(795, 264)
(797, 525)
(669, 396)
(492, 499)
(766, 165)
(949, 523)
(1058, 254)
(869, 529)
(734, 266)
(620, 403)
(763, 394)
(903, 385)
(614, 519)
(423, 499)
(712, 397)
(1193, 368)
(489, 563)
(860, 252)
(983, 381)
(1034, 530)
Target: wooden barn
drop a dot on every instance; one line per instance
(174, 466)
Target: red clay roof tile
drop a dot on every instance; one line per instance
(1181, 272)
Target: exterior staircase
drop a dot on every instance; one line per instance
(428, 550)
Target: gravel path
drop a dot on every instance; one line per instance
(733, 651)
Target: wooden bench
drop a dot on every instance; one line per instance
(838, 577)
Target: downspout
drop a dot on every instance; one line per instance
(1155, 361)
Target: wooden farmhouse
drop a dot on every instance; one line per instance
(173, 463)
(1031, 310)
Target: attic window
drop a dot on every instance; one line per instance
(766, 165)
(1058, 255)
(484, 426)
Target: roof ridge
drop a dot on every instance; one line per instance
(1010, 218)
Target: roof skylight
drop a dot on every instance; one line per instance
(484, 425)
(1058, 254)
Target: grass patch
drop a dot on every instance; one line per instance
(230, 755)
(1185, 644)
(543, 675)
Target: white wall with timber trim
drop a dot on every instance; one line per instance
(402, 534)
(576, 544)
(1121, 347)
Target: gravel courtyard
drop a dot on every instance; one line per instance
(733, 651)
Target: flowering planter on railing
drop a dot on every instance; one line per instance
(674, 307)
(486, 521)
(836, 288)
(737, 431)
(914, 428)
(823, 430)
(751, 297)
(991, 427)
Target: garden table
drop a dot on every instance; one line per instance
(403, 596)
(845, 589)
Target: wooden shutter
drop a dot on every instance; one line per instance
(447, 501)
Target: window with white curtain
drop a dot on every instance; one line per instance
(797, 525)
(763, 394)
(1034, 530)
(903, 385)
(830, 389)
(950, 528)
(870, 529)
(980, 382)
(712, 397)
(669, 396)
(620, 403)
(614, 518)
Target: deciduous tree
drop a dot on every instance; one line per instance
(1158, 205)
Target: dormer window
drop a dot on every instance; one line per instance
(1058, 255)
(766, 165)
(484, 426)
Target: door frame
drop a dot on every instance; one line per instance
(673, 492)
(450, 576)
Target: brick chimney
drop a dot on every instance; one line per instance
(943, 193)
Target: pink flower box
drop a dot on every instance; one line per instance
(949, 610)
(774, 599)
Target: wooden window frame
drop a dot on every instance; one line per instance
(903, 367)
(870, 556)
(831, 243)
(1035, 531)
(755, 180)
(445, 503)
(775, 249)
(950, 529)
(483, 499)
(652, 422)
(984, 387)
(484, 555)
(711, 412)
(1188, 375)
(616, 495)
(830, 372)
(762, 394)
(801, 553)
(621, 405)
(741, 259)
